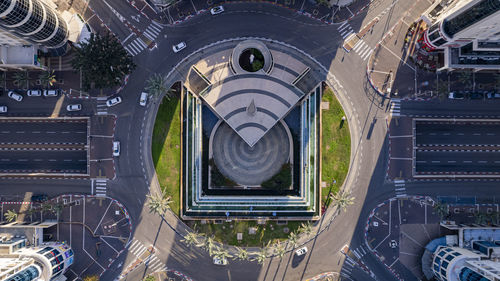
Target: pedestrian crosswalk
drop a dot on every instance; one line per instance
(102, 108)
(400, 188)
(363, 49)
(360, 251)
(395, 109)
(99, 187)
(153, 263)
(148, 36)
(345, 30)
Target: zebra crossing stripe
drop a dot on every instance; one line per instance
(359, 44)
(346, 26)
(154, 29)
(366, 50)
(350, 32)
(129, 51)
(345, 31)
(156, 23)
(140, 42)
(367, 55)
(149, 34)
(136, 46)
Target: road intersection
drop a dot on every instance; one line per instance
(368, 116)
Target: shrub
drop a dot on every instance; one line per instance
(282, 180)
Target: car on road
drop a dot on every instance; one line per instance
(114, 101)
(218, 261)
(217, 10)
(34, 93)
(15, 96)
(39, 198)
(300, 252)
(177, 48)
(74, 107)
(144, 99)
(50, 93)
(3, 109)
(116, 148)
(456, 96)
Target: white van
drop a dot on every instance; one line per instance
(143, 99)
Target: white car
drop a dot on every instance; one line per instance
(217, 10)
(144, 99)
(34, 93)
(74, 107)
(177, 48)
(113, 101)
(218, 261)
(15, 96)
(116, 148)
(3, 109)
(301, 251)
(50, 93)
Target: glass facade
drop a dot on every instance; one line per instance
(470, 16)
(466, 274)
(36, 22)
(28, 274)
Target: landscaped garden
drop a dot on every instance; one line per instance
(335, 147)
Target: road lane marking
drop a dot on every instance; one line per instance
(20, 132)
(467, 161)
(436, 161)
(482, 162)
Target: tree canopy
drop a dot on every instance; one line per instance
(103, 62)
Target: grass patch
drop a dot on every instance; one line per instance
(282, 180)
(166, 149)
(336, 145)
(226, 232)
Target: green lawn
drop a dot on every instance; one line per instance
(226, 232)
(166, 149)
(336, 145)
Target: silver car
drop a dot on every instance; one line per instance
(15, 96)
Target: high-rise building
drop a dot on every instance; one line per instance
(467, 30)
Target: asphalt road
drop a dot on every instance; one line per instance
(44, 160)
(366, 112)
(470, 161)
(450, 133)
(43, 132)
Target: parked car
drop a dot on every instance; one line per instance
(116, 148)
(114, 101)
(39, 198)
(492, 95)
(301, 251)
(218, 261)
(74, 107)
(34, 93)
(177, 48)
(476, 96)
(15, 96)
(50, 93)
(143, 99)
(456, 96)
(3, 109)
(217, 10)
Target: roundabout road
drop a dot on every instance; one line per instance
(366, 116)
(366, 112)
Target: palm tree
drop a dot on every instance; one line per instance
(279, 249)
(465, 77)
(293, 239)
(442, 88)
(46, 207)
(47, 78)
(261, 256)
(10, 216)
(306, 228)
(156, 85)
(242, 254)
(222, 254)
(57, 208)
(342, 199)
(441, 209)
(209, 245)
(158, 204)
(191, 238)
(21, 79)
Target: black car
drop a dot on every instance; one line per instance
(39, 198)
(476, 96)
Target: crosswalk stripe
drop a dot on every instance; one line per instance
(133, 49)
(140, 42)
(366, 50)
(150, 33)
(345, 31)
(133, 243)
(347, 26)
(147, 35)
(154, 29)
(141, 250)
(350, 32)
(367, 55)
(136, 46)
(156, 23)
(361, 50)
(363, 249)
(358, 45)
